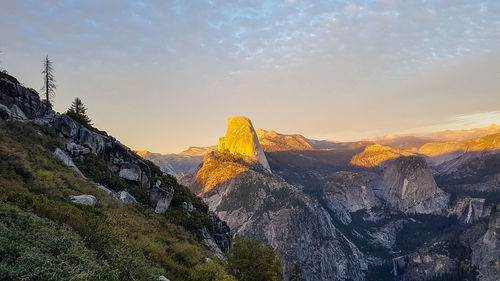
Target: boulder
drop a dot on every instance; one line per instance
(126, 197)
(130, 172)
(162, 198)
(107, 190)
(17, 113)
(67, 160)
(4, 112)
(84, 199)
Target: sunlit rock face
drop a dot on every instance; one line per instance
(375, 154)
(272, 141)
(241, 140)
(440, 152)
(217, 167)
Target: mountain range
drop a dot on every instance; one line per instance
(391, 208)
(77, 202)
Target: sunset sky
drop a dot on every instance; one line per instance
(164, 75)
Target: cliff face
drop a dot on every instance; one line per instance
(347, 192)
(408, 185)
(241, 140)
(263, 206)
(486, 250)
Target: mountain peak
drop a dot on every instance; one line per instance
(241, 140)
(375, 154)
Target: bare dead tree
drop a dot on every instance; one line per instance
(49, 81)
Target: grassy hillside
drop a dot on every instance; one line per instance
(44, 236)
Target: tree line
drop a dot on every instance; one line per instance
(77, 111)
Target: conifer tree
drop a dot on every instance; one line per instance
(296, 273)
(78, 112)
(49, 81)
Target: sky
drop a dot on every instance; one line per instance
(165, 75)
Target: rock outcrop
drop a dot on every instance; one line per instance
(408, 185)
(241, 140)
(486, 250)
(84, 199)
(469, 210)
(346, 192)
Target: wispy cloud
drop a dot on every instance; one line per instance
(306, 62)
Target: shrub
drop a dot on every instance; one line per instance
(249, 260)
(210, 271)
(96, 168)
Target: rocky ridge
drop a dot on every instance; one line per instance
(272, 141)
(376, 154)
(22, 104)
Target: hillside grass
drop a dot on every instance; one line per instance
(112, 241)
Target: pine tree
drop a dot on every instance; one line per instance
(296, 274)
(78, 112)
(49, 81)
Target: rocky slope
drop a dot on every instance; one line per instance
(106, 159)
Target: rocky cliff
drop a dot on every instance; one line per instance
(260, 205)
(241, 140)
(408, 185)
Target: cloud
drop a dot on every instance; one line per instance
(346, 57)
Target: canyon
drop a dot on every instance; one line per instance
(359, 210)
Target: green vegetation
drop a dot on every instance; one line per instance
(422, 229)
(210, 272)
(296, 273)
(44, 236)
(131, 242)
(97, 169)
(32, 248)
(78, 112)
(249, 260)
